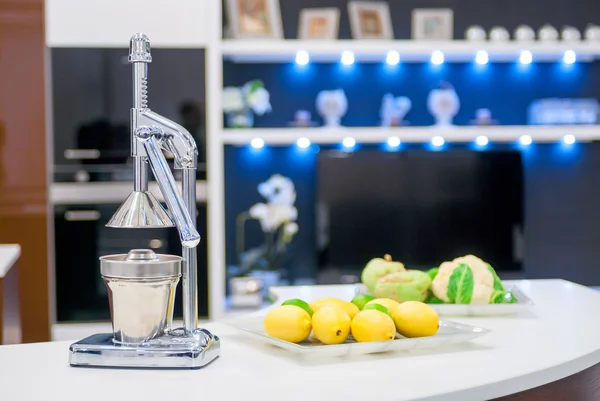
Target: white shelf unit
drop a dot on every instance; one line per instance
(376, 51)
(373, 135)
(284, 51)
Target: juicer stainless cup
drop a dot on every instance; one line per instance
(141, 292)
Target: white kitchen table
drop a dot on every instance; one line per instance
(559, 337)
(10, 319)
(9, 253)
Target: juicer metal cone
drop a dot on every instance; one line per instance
(140, 210)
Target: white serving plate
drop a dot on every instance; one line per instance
(310, 293)
(523, 303)
(449, 333)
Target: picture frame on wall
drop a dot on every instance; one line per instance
(319, 23)
(254, 19)
(432, 24)
(370, 20)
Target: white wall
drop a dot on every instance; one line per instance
(110, 23)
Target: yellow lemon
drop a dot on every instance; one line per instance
(348, 307)
(331, 324)
(316, 304)
(415, 319)
(372, 325)
(288, 323)
(351, 309)
(387, 302)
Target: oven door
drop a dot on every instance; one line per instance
(81, 237)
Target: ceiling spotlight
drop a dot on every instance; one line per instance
(257, 143)
(392, 58)
(482, 57)
(302, 57)
(303, 143)
(569, 139)
(569, 57)
(525, 140)
(348, 142)
(526, 57)
(393, 141)
(437, 141)
(437, 57)
(347, 58)
(482, 140)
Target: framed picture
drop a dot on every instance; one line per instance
(433, 23)
(319, 23)
(258, 19)
(370, 20)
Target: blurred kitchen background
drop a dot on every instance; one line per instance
(529, 209)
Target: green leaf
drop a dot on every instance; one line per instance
(498, 286)
(433, 272)
(497, 297)
(460, 285)
(432, 299)
(501, 297)
(254, 85)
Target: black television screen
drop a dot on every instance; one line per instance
(421, 207)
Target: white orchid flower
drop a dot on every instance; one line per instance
(290, 229)
(278, 190)
(263, 214)
(278, 215)
(258, 211)
(271, 216)
(259, 101)
(279, 209)
(233, 99)
(240, 120)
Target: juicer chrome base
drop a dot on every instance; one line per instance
(173, 350)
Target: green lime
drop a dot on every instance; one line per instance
(361, 300)
(378, 307)
(300, 304)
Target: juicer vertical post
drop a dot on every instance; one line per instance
(150, 133)
(139, 57)
(190, 256)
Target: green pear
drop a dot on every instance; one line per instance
(378, 268)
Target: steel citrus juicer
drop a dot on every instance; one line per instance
(141, 284)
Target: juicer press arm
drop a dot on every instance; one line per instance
(172, 137)
(151, 139)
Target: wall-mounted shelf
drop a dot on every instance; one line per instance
(284, 51)
(371, 135)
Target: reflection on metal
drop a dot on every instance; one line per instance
(140, 210)
(82, 215)
(82, 154)
(155, 243)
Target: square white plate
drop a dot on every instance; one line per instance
(523, 303)
(448, 333)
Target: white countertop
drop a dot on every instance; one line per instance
(9, 254)
(560, 337)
